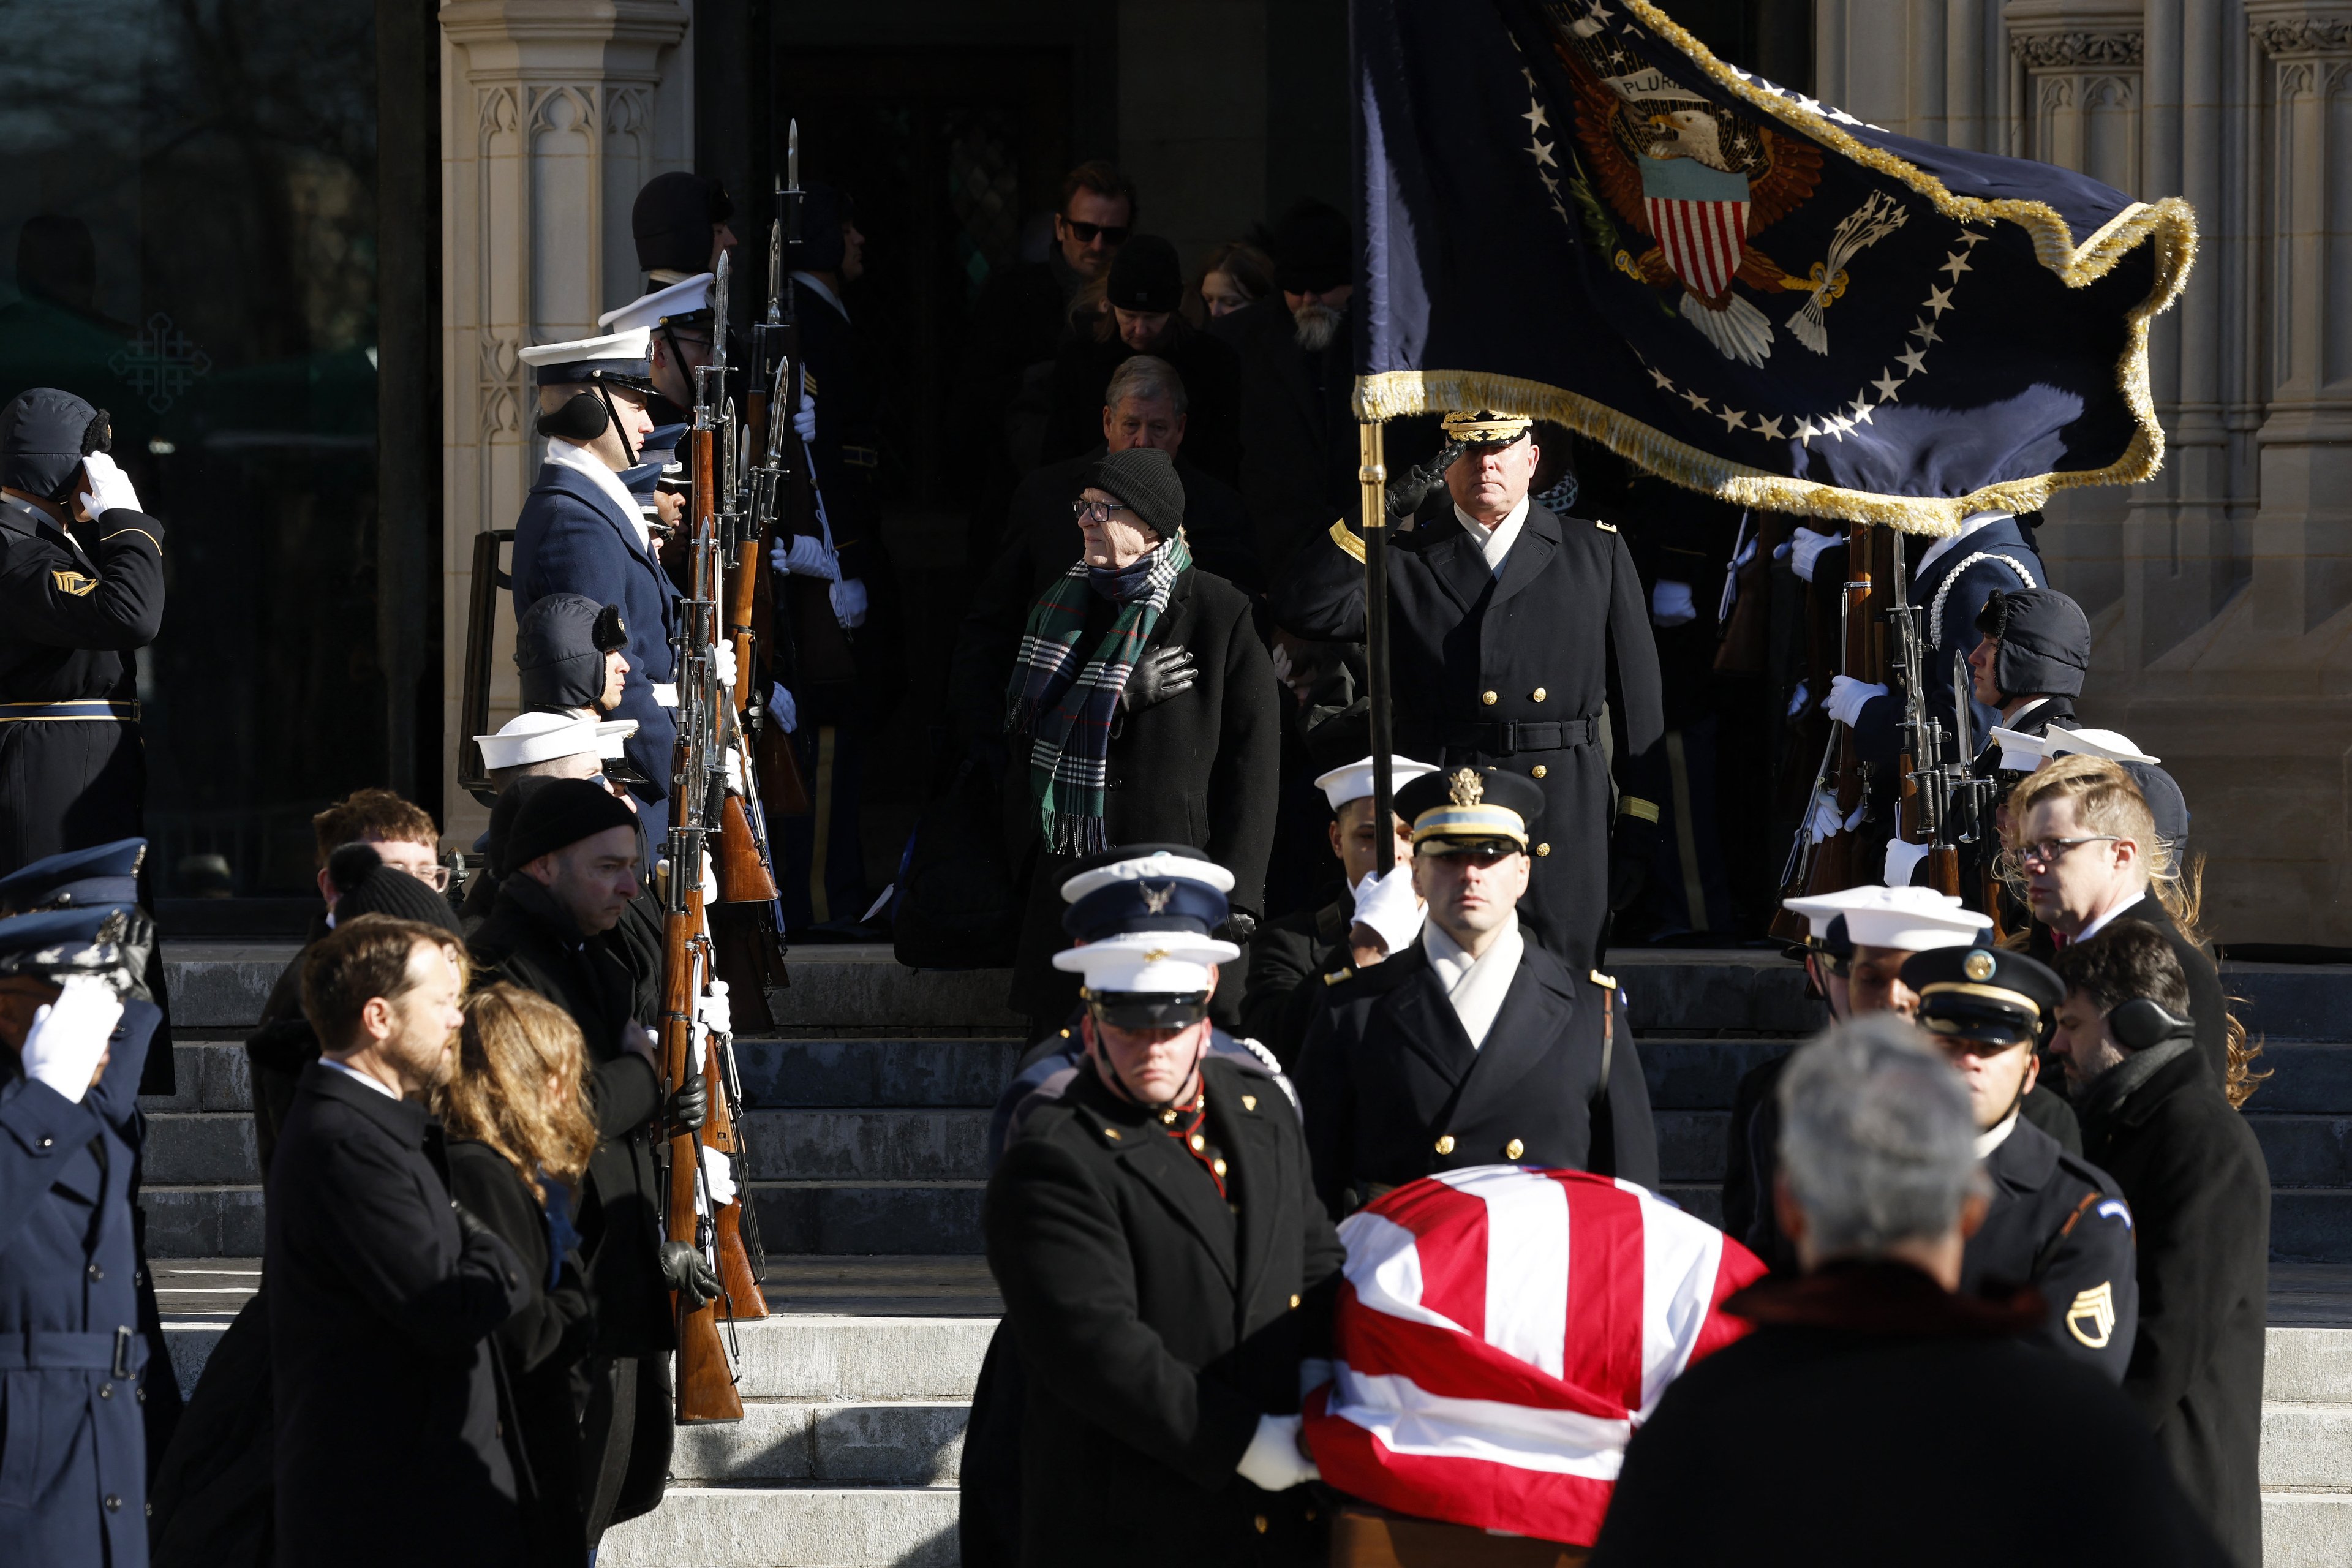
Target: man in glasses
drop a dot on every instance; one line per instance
(1476, 1046)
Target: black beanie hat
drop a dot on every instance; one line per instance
(369, 886)
(1145, 478)
(43, 435)
(2045, 642)
(560, 816)
(559, 654)
(1145, 276)
(672, 219)
(821, 245)
(1312, 249)
(503, 812)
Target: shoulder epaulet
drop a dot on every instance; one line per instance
(1346, 972)
(1606, 981)
(1345, 538)
(1605, 527)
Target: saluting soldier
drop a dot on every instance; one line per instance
(2057, 1222)
(1477, 1046)
(1512, 629)
(74, 1446)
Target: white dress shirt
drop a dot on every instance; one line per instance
(1495, 543)
(378, 1085)
(1475, 986)
(572, 455)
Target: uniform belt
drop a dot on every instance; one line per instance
(82, 708)
(121, 1352)
(1501, 738)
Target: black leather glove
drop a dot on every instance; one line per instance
(688, 1104)
(1240, 926)
(1162, 673)
(687, 1271)
(1408, 489)
(1631, 847)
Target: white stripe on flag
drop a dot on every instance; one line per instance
(1527, 1269)
(1679, 1258)
(1408, 1419)
(1392, 1283)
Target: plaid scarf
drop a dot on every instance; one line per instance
(1066, 709)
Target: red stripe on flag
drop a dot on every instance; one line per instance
(1606, 1280)
(1476, 1492)
(1722, 254)
(1455, 1366)
(1737, 1269)
(1449, 1229)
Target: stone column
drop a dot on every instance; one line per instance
(553, 113)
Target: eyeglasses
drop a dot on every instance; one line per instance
(1097, 512)
(2048, 852)
(433, 877)
(1087, 232)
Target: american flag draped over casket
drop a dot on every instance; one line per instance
(1502, 1333)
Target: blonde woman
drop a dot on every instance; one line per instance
(520, 1134)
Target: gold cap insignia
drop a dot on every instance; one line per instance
(1977, 965)
(1154, 954)
(2095, 1307)
(1155, 899)
(1465, 787)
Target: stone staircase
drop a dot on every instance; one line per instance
(868, 1113)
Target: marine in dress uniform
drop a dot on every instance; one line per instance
(1167, 1271)
(1506, 644)
(2056, 1222)
(72, 1359)
(1436, 1060)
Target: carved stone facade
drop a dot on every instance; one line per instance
(553, 113)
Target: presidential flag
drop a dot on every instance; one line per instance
(1574, 211)
(1500, 1334)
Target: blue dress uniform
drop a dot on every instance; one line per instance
(1952, 589)
(73, 1474)
(2060, 1224)
(576, 536)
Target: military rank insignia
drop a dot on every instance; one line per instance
(74, 582)
(2092, 1318)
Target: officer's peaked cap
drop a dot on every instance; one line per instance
(1979, 991)
(1462, 808)
(1147, 904)
(109, 941)
(102, 874)
(1142, 862)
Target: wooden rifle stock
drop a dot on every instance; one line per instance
(1745, 638)
(744, 1299)
(706, 1384)
(1943, 869)
(743, 877)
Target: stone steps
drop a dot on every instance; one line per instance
(2306, 1455)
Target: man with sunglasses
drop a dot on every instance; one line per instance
(1476, 1046)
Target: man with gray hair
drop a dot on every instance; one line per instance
(1832, 1433)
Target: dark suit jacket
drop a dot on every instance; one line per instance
(1388, 1076)
(380, 1309)
(1156, 1324)
(572, 539)
(2209, 1005)
(1287, 960)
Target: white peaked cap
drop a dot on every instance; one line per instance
(542, 738)
(1157, 962)
(649, 310)
(625, 347)
(1354, 782)
(1911, 919)
(612, 736)
(2029, 749)
(1159, 867)
(1821, 909)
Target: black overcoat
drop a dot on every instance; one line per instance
(1156, 1324)
(1209, 369)
(1299, 431)
(1394, 1091)
(1287, 960)
(381, 1312)
(1514, 673)
(2200, 1200)
(2060, 1224)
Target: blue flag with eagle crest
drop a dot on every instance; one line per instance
(1574, 211)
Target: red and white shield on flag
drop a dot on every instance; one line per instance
(1703, 241)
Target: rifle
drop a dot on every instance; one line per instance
(1922, 780)
(1972, 804)
(1837, 861)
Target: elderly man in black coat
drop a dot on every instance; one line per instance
(1140, 317)
(1143, 709)
(1836, 1431)
(1297, 373)
(2154, 1115)
(383, 1292)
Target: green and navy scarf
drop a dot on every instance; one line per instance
(1064, 709)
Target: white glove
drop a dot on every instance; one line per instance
(719, 1176)
(734, 771)
(1671, 604)
(710, 879)
(1824, 821)
(1902, 859)
(724, 656)
(849, 604)
(805, 418)
(804, 556)
(110, 486)
(1799, 698)
(712, 1013)
(67, 1037)
(1847, 696)
(1390, 906)
(1273, 1462)
(1805, 549)
(782, 710)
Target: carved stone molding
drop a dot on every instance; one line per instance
(2050, 51)
(2284, 35)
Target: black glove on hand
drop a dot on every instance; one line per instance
(688, 1272)
(689, 1103)
(1408, 489)
(1162, 673)
(1240, 926)
(1629, 849)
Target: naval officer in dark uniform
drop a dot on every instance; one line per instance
(1510, 629)
(1476, 1046)
(2057, 1222)
(82, 588)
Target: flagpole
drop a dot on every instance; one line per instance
(1374, 474)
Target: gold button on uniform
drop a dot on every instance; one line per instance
(1488, 697)
(1199, 1142)
(1168, 1119)
(1294, 1303)
(1538, 770)
(1542, 849)
(1446, 1144)
(1514, 1149)
(1218, 1166)
(1262, 1525)
(1538, 693)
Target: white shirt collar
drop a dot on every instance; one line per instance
(1975, 522)
(383, 1089)
(2099, 923)
(1475, 986)
(823, 291)
(572, 455)
(1992, 1138)
(1495, 543)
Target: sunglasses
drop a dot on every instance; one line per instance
(1088, 233)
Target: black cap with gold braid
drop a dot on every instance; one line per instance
(1458, 811)
(1987, 994)
(1487, 428)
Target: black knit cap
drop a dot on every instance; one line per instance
(2045, 642)
(368, 887)
(1145, 276)
(1312, 248)
(1145, 478)
(559, 653)
(560, 816)
(43, 435)
(503, 812)
(672, 219)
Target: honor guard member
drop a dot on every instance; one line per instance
(1477, 1046)
(1374, 916)
(659, 482)
(582, 533)
(681, 222)
(1511, 628)
(678, 317)
(72, 1360)
(2057, 1222)
(1167, 1272)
